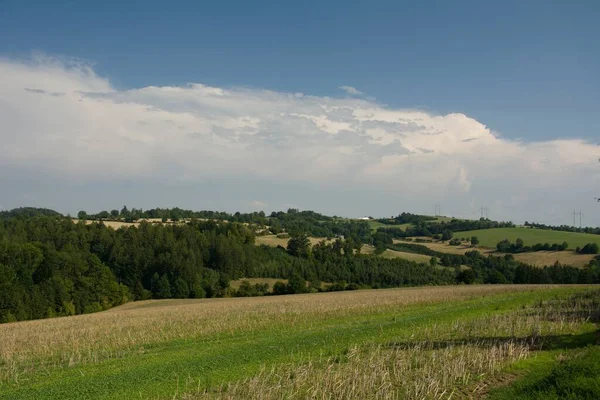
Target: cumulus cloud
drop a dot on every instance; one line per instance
(351, 90)
(60, 119)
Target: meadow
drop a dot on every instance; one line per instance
(491, 237)
(431, 342)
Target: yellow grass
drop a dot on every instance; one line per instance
(121, 224)
(542, 258)
(274, 241)
(378, 372)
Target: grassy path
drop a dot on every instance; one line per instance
(569, 370)
(162, 371)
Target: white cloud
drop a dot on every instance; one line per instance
(351, 90)
(63, 119)
(258, 205)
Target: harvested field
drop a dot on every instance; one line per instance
(410, 343)
(274, 241)
(531, 236)
(537, 258)
(366, 249)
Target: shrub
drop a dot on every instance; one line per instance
(590, 248)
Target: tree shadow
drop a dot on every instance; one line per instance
(536, 343)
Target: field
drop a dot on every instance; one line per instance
(491, 237)
(366, 249)
(376, 224)
(537, 258)
(273, 240)
(433, 342)
(121, 224)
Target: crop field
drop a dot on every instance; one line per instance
(376, 225)
(542, 258)
(413, 343)
(388, 253)
(491, 237)
(273, 240)
(537, 258)
(123, 224)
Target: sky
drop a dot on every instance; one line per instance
(347, 108)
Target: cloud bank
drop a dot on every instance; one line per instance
(64, 126)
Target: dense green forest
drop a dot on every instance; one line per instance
(51, 266)
(407, 218)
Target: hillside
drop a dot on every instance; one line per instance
(537, 258)
(491, 237)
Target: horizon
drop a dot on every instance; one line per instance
(268, 213)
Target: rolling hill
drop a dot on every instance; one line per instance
(491, 237)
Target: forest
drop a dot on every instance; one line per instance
(51, 266)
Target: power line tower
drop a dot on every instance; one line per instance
(438, 210)
(484, 212)
(598, 198)
(575, 214)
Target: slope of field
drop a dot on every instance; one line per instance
(537, 258)
(491, 237)
(388, 253)
(376, 224)
(543, 258)
(398, 343)
(274, 241)
(121, 224)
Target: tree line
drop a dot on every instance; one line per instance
(564, 228)
(407, 218)
(505, 246)
(504, 269)
(444, 228)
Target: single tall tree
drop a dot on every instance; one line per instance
(299, 246)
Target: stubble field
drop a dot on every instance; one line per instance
(433, 342)
(537, 258)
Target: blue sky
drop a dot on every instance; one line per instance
(523, 73)
(527, 69)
